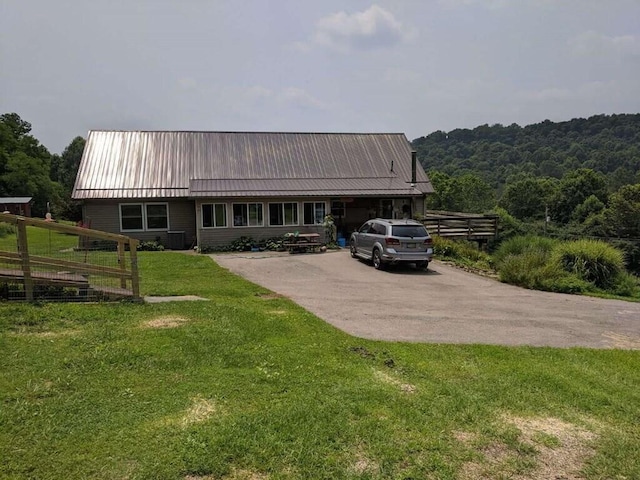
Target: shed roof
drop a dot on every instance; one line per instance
(155, 164)
(14, 200)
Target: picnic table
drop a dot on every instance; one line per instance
(303, 242)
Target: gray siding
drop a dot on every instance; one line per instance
(224, 236)
(105, 215)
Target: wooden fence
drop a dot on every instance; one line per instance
(53, 269)
(467, 226)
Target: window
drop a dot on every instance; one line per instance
(247, 215)
(283, 214)
(131, 218)
(214, 215)
(314, 213)
(157, 218)
(337, 208)
(138, 217)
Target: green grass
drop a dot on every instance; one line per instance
(252, 384)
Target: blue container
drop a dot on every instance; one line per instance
(342, 242)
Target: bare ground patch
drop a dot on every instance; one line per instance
(560, 450)
(200, 411)
(388, 379)
(364, 464)
(236, 474)
(169, 321)
(45, 333)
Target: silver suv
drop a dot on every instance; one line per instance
(389, 242)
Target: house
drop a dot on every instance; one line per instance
(16, 205)
(210, 188)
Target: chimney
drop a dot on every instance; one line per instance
(414, 160)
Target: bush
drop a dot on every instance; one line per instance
(150, 247)
(626, 285)
(591, 260)
(6, 229)
(524, 245)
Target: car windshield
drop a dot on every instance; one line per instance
(408, 231)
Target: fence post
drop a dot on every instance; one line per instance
(135, 280)
(23, 248)
(122, 262)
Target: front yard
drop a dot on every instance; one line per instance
(248, 385)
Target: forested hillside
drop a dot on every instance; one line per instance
(569, 179)
(604, 143)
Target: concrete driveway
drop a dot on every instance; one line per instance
(442, 305)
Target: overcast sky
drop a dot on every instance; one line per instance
(411, 66)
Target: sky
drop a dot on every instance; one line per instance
(409, 66)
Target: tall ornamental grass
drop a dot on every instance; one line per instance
(591, 260)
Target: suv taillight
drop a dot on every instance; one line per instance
(428, 241)
(391, 241)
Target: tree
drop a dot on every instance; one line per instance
(465, 193)
(623, 215)
(528, 197)
(574, 188)
(24, 163)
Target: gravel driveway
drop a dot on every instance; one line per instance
(442, 305)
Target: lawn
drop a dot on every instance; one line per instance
(248, 385)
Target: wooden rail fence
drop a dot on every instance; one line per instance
(31, 270)
(468, 226)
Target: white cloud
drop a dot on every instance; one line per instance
(371, 29)
(593, 43)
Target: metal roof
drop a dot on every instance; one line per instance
(164, 164)
(14, 200)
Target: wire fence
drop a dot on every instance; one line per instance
(44, 260)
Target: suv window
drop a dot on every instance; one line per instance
(365, 228)
(378, 229)
(408, 231)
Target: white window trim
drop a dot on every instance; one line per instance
(213, 216)
(146, 226)
(297, 204)
(314, 212)
(247, 226)
(143, 208)
(141, 205)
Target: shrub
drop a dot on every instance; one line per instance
(150, 247)
(525, 270)
(6, 229)
(591, 260)
(445, 247)
(626, 285)
(524, 245)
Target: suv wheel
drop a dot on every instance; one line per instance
(352, 249)
(422, 265)
(376, 259)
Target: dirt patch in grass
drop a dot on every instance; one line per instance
(388, 379)
(166, 322)
(236, 474)
(200, 411)
(278, 312)
(46, 334)
(626, 342)
(559, 451)
(364, 464)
